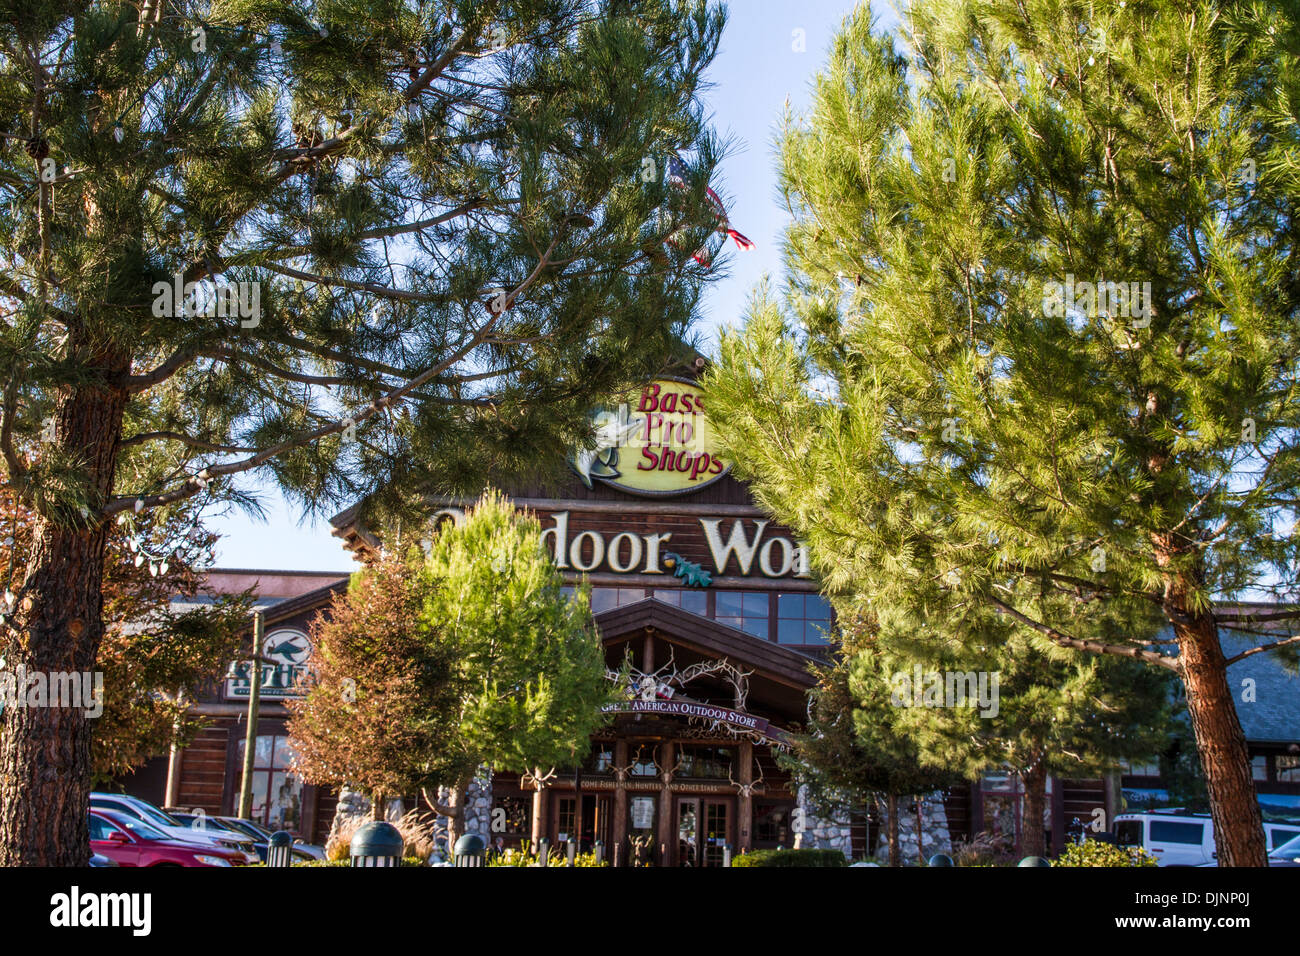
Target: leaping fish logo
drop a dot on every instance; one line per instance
(612, 431)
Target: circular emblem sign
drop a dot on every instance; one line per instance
(658, 444)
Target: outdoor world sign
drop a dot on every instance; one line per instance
(660, 445)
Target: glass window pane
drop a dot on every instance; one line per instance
(668, 597)
(757, 626)
(755, 605)
(1288, 768)
(731, 621)
(283, 753)
(728, 603)
(630, 595)
(817, 608)
(697, 602)
(1259, 768)
(789, 605)
(602, 599)
(262, 755)
(815, 633)
(789, 632)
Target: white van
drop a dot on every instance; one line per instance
(1179, 838)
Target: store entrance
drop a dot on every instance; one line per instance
(584, 818)
(704, 825)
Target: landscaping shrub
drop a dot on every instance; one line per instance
(790, 858)
(1096, 853)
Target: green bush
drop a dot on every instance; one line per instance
(554, 858)
(790, 858)
(1096, 853)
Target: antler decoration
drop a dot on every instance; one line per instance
(751, 788)
(531, 779)
(644, 682)
(666, 774)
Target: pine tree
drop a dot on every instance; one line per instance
(154, 659)
(361, 250)
(854, 749)
(529, 660)
(1040, 341)
(1006, 701)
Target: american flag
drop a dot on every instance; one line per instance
(677, 177)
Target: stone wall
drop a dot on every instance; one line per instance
(832, 831)
(934, 829)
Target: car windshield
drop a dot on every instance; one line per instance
(195, 822)
(251, 829)
(140, 828)
(138, 809)
(1290, 849)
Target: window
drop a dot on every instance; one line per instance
(1279, 835)
(1288, 768)
(277, 794)
(518, 817)
(1167, 831)
(1134, 769)
(697, 761)
(697, 602)
(1259, 768)
(101, 828)
(771, 823)
(802, 619)
(600, 760)
(606, 599)
(568, 818)
(1128, 832)
(643, 762)
(747, 610)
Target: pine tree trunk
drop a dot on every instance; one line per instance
(1221, 743)
(45, 751)
(1032, 841)
(895, 846)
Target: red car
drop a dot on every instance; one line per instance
(132, 842)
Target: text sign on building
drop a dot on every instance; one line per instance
(290, 651)
(658, 444)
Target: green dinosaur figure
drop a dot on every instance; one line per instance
(692, 574)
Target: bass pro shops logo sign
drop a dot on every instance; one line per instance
(660, 446)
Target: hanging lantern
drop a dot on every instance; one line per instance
(163, 568)
(139, 505)
(139, 560)
(118, 132)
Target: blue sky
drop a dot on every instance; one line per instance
(757, 67)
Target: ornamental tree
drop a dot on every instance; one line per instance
(530, 662)
(1040, 345)
(379, 712)
(360, 250)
